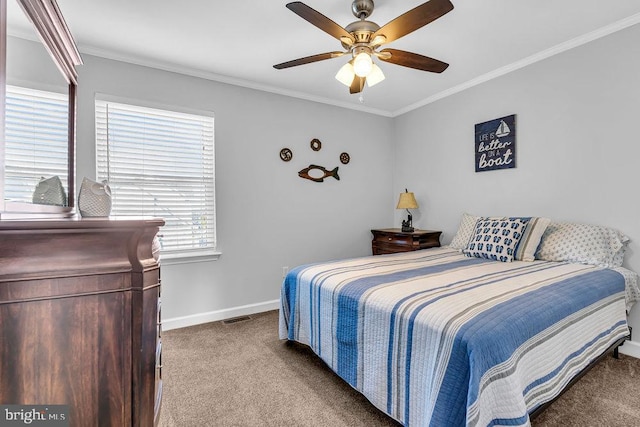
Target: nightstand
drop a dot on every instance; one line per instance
(393, 240)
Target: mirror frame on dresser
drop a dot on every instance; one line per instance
(52, 29)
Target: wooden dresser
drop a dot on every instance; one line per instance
(393, 240)
(79, 319)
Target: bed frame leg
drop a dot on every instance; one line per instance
(616, 354)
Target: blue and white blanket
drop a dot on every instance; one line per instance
(434, 338)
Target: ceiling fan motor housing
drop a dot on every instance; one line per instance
(361, 32)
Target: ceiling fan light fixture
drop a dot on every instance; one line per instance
(361, 39)
(375, 76)
(362, 64)
(346, 74)
(378, 40)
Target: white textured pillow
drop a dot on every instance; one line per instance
(582, 243)
(631, 285)
(618, 257)
(465, 230)
(526, 250)
(496, 238)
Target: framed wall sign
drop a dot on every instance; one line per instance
(495, 144)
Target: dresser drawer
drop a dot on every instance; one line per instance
(157, 404)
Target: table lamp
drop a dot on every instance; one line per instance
(407, 201)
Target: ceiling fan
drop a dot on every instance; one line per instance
(362, 39)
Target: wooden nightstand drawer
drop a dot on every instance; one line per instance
(382, 248)
(393, 240)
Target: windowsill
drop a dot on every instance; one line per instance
(188, 258)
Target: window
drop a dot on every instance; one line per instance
(160, 163)
(36, 140)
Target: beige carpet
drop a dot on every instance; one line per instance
(241, 374)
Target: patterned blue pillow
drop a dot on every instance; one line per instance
(496, 238)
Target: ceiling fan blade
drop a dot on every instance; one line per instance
(308, 59)
(319, 20)
(412, 20)
(357, 84)
(412, 60)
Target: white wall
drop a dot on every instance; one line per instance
(578, 145)
(267, 216)
(30, 64)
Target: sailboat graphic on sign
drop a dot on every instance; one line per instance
(503, 130)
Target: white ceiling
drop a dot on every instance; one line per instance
(239, 41)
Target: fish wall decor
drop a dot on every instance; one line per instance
(304, 173)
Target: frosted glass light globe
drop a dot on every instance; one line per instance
(375, 76)
(346, 74)
(362, 64)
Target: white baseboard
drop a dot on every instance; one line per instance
(214, 316)
(631, 348)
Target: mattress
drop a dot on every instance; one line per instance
(435, 338)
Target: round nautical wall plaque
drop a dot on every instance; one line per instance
(286, 154)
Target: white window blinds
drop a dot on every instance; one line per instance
(160, 163)
(36, 140)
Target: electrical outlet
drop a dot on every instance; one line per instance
(285, 270)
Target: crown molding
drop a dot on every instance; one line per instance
(562, 47)
(173, 68)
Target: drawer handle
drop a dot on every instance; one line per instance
(159, 366)
(390, 238)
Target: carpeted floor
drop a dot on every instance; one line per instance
(241, 374)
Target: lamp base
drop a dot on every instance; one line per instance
(407, 226)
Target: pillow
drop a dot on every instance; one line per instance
(496, 238)
(526, 247)
(618, 257)
(526, 250)
(583, 243)
(631, 286)
(465, 230)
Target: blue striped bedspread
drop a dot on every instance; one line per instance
(435, 338)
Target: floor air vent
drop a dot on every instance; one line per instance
(236, 320)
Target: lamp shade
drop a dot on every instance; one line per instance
(375, 76)
(407, 201)
(346, 74)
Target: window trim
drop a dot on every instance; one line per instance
(175, 258)
(180, 256)
(151, 104)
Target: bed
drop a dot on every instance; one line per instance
(441, 337)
